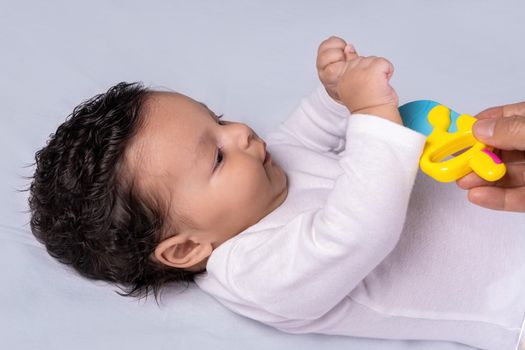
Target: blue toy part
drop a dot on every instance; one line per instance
(414, 115)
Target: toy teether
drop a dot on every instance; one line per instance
(448, 133)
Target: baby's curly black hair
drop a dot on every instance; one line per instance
(84, 207)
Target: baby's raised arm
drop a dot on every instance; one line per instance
(301, 270)
(354, 84)
(360, 83)
(319, 123)
(328, 251)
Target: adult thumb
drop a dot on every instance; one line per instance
(506, 133)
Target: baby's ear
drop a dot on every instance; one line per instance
(181, 251)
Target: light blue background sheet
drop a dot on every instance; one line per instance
(252, 61)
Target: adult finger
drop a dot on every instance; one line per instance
(512, 156)
(491, 113)
(499, 198)
(472, 180)
(503, 111)
(504, 133)
(514, 177)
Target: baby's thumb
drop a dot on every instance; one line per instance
(503, 133)
(350, 52)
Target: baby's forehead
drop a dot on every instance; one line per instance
(162, 100)
(166, 143)
(174, 103)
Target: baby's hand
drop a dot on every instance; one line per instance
(364, 87)
(332, 57)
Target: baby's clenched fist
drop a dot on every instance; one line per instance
(332, 57)
(364, 87)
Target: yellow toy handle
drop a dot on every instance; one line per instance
(442, 144)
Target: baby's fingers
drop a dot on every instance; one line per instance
(375, 64)
(332, 42)
(328, 57)
(383, 65)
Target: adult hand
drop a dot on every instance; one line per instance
(502, 127)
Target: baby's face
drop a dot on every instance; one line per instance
(210, 171)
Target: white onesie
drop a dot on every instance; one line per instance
(343, 255)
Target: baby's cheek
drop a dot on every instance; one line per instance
(253, 184)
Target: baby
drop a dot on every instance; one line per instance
(304, 232)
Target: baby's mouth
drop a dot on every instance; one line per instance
(266, 153)
(267, 158)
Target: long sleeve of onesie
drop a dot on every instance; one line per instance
(303, 268)
(319, 123)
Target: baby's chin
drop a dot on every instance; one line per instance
(283, 186)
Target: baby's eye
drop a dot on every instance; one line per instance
(219, 121)
(220, 156)
(218, 161)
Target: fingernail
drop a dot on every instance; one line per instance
(484, 128)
